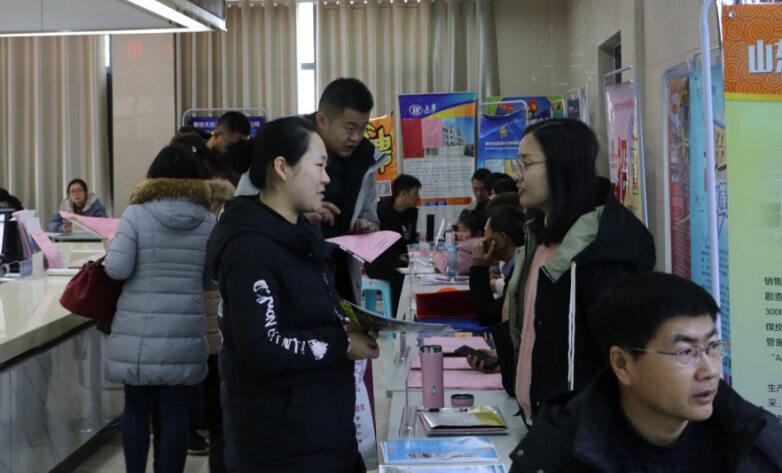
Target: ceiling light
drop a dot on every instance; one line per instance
(164, 11)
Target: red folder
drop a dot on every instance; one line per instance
(449, 304)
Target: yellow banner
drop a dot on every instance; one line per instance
(380, 131)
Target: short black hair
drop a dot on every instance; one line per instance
(475, 220)
(177, 162)
(234, 122)
(494, 177)
(480, 174)
(77, 181)
(570, 147)
(632, 311)
(404, 182)
(345, 93)
(504, 184)
(506, 198)
(288, 137)
(191, 129)
(508, 220)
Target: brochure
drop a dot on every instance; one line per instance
(101, 226)
(366, 246)
(463, 421)
(369, 320)
(496, 468)
(440, 450)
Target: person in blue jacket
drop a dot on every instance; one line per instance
(79, 201)
(288, 351)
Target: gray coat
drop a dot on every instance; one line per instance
(158, 336)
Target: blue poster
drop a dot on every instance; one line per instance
(209, 123)
(499, 136)
(701, 263)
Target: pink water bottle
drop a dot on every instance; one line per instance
(432, 376)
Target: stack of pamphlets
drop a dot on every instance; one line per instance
(463, 421)
(453, 450)
(369, 320)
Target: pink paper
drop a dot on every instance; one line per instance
(449, 363)
(52, 254)
(367, 246)
(450, 344)
(103, 227)
(432, 130)
(459, 379)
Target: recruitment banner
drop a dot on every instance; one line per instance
(677, 115)
(700, 247)
(498, 140)
(753, 107)
(208, 123)
(624, 154)
(438, 145)
(380, 131)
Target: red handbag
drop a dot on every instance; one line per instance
(93, 294)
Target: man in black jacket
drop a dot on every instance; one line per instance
(662, 406)
(398, 214)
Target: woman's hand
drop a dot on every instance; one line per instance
(477, 364)
(361, 345)
(67, 227)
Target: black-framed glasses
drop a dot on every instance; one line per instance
(519, 167)
(691, 355)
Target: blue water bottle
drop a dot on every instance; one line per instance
(451, 268)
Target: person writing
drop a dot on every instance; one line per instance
(288, 351)
(79, 201)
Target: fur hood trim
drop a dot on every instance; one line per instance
(202, 192)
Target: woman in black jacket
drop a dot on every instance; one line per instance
(287, 354)
(582, 241)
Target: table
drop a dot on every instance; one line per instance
(507, 405)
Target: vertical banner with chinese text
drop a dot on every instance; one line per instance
(752, 54)
(380, 131)
(438, 143)
(624, 155)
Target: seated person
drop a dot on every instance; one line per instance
(504, 185)
(398, 214)
(491, 179)
(480, 191)
(661, 406)
(469, 232)
(79, 201)
(7, 201)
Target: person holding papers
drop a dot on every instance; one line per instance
(288, 351)
(79, 201)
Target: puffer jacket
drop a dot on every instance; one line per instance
(159, 330)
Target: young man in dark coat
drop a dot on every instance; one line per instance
(661, 407)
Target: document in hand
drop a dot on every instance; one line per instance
(496, 468)
(103, 227)
(464, 421)
(443, 450)
(368, 320)
(366, 246)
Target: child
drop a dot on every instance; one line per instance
(469, 232)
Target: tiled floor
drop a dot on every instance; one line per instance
(109, 458)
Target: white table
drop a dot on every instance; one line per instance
(507, 405)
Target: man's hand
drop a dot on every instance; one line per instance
(363, 225)
(361, 345)
(67, 227)
(477, 364)
(327, 213)
(482, 256)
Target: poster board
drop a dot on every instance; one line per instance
(380, 131)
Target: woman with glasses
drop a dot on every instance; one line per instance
(578, 244)
(79, 201)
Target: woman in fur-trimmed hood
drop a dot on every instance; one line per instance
(158, 344)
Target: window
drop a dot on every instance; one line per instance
(305, 56)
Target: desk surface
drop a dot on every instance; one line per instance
(508, 406)
(30, 311)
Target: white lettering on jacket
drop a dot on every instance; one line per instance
(263, 297)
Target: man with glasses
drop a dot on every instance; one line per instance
(662, 406)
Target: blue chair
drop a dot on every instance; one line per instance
(369, 290)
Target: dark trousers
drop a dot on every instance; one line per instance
(215, 415)
(166, 409)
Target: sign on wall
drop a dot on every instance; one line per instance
(380, 131)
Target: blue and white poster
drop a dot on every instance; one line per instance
(498, 139)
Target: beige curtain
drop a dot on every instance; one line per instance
(253, 64)
(398, 47)
(53, 119)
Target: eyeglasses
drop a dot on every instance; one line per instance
(691, 355)
(520, 167)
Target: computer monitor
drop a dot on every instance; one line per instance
(10, 245)
(3, 216)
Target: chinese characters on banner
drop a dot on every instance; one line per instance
(700, 247)
(624, 156)
(438, 143)
(380, 131)
(209, 123)
(678, 116)
(753, 105)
